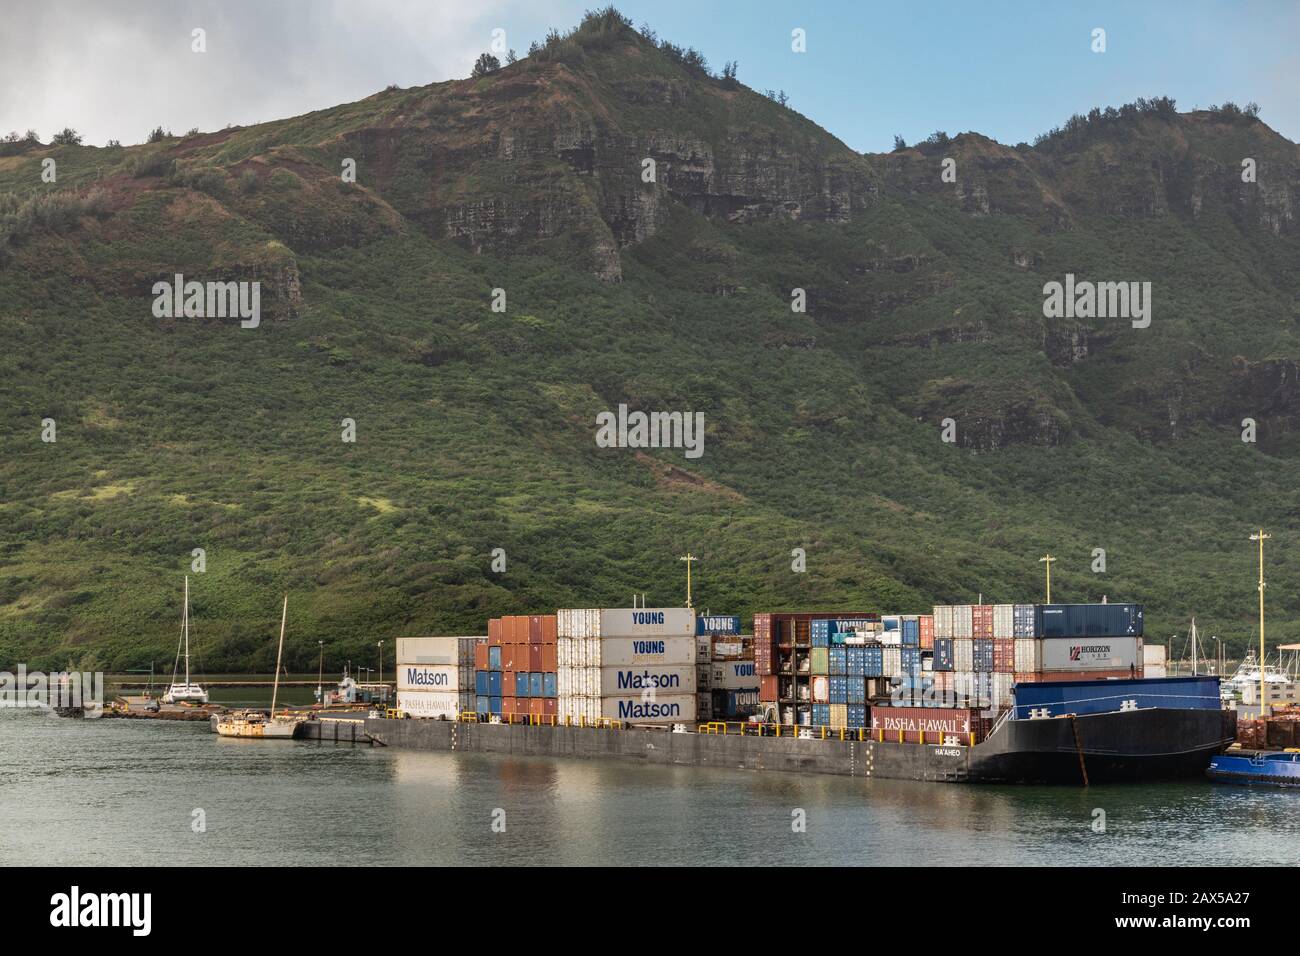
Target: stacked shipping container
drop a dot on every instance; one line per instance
(516, 671)
(632, 664)
(435, 675)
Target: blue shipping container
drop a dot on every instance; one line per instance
(874, 665)
(548, 685)
(911, 659)
(821, 640)
(943, 654)
(838, 660)
(1088, 620)
(820, 629)
(481, 684)
(494, 688)
(494, 705)
(1103, 696)
(494, 658)
(982, 654)
(857, 690)
(839, 690)
(821, 715)
(536, 684)
(856, 658)
(521, 684)
(911, 633)
(857, 715)
(482, 705)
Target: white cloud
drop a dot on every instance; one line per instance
(116, 70)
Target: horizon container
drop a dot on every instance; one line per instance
(1004, 621)
(855, 661)
(1088, 620)
(821, 715)
(1090, 653)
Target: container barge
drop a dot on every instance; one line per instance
(970, 693)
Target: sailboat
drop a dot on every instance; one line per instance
(188, 692)
(254, 723)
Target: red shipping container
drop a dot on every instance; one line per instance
(768, 687)
(480, 657)
(549, 707)
(534, 629)
(982, 621)
(1004, 655)
(535, 656)
(494, 631)
(507, 682)
(535, 706)
(550, 658)
(930, 723)
(507, 706)
(927, 631)
(549, 629)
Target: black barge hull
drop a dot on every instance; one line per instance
(1113, 747)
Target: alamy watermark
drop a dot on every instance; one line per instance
(1101, 300)
(651, 430)
(42, 691)
(208, 300)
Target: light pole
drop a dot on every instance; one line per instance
(688, 558)
(1218, 648)
(1048, 559)
(320, 674)
(381, 662)
(1261, 537)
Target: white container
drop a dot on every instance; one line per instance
(664, 681)
(1001, 684)
(429, 704)
(647, 622)
(1028, 655)
(662, 651)
(1091, 653)
(943, 620)
(1004, 621)
(428, 677)
(704, 648)
(726, 649)
(893, 661)
(963, 621)
(891, 622)
(577, 622)
(963, 655)
(890, 638)
(1153, 654)
(733, 675)
(662, 710)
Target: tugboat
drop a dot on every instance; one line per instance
(1262, 768)
(255, 724)
(188, 692)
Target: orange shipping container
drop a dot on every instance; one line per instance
(536, 706)
(550, 658)
(927, 632)
(982, 621)
(534, 629)
(548, 629)
(481, 655)
(535, 656)
(549, 707)
(494, 631)
(508, 682)
(508, 705)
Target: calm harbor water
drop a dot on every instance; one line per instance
(125, 792)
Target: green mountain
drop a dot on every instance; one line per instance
(475, 429)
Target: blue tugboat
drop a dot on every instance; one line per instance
(1264, 768)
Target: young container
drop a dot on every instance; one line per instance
(625, 651)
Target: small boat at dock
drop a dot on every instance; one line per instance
(253, 724)
(188, 692)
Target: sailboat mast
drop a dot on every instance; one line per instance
(275, 688)
(187, 630)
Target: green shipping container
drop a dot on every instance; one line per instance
(819, 660)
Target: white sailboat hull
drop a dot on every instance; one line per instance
(258, 728)
(185, 694)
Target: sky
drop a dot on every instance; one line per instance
(1010, 70)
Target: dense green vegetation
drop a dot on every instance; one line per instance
(474, 428)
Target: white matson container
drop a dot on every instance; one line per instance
(671, 680)
(664, 709)
(428, 677)
(437, 650)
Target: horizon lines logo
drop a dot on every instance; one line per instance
(638, 429)
(209, 300)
